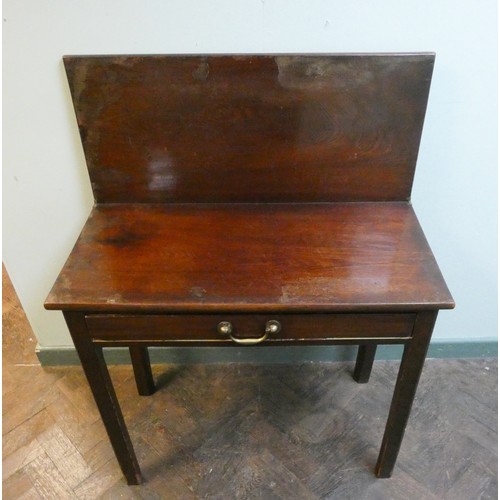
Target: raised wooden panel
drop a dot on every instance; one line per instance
(330, 128)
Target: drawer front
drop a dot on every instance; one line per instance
(248, 328)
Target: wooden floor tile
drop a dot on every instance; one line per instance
(18, 485)
(47, 480)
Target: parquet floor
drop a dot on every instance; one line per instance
(244, 431)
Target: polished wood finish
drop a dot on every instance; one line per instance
(100, 383)
(284, 128)
(249, 189)
(251, 258)
(364, 363)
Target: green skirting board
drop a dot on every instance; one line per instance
(280, 354)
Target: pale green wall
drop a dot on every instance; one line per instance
(46, 190)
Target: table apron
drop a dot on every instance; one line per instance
(190, 330)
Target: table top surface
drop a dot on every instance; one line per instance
(311, 257)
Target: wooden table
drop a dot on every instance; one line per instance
(246, 200)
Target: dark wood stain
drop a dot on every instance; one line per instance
(411, 367)
(364, 363)
(295, 328)
(159, 129)
(251, 257)
(139, 356)
(100, 383)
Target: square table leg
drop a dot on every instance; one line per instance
(364, 363)
(139, 356)
(97, 374)
(404, 392)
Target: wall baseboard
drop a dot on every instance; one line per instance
(60, 356)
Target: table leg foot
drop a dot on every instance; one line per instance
(404, 392)
(97, 374)
(364, 363)
(142, 370)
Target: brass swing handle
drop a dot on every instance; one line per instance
(226, 328)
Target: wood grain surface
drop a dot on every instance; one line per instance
(161, 129)
(251, 257)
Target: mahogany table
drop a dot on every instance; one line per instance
(244, 200)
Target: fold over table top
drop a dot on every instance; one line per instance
(249, 258)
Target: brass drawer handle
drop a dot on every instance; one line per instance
(226, 328)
